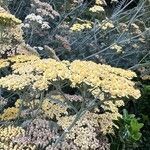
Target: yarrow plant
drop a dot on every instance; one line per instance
(11, 39)
(52, 96)
(9, 31)
(99, 87)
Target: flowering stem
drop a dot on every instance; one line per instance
(79, 114)
(67, 100)
(40, 104)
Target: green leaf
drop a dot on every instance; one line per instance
(136, 136)
(135, 126)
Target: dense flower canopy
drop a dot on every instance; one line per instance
(64, 82)
(40, 73)
(7, 19)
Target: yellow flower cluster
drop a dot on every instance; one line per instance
(81, 27)
(111, 113)
(106, 122)
(16, 82)
(52, 109)
(17, 33)
(116, 47)
(24, 73)
(10, 113)
(6, 19)
(97, 8)
(11, 34)
(106, 24)
(100, 2)
(41, 73)
(120, 72)
(3, 63)
(23, 58)
(7, 133)
(93, 119)
(111, 80)
(31, 104)
(12, 146)
(84, 133)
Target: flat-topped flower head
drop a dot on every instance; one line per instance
(15, 82)
(40, 73)
(23, 58)
(53, 109)
(3, 63)
(100, 2)
(96, 9)
(107, 79)
(10, 113)
(81, 26)
(7, 19)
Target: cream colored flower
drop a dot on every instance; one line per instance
(81, 27)
(117, 48)
(3, 63)
(96, 8)
(52, 109)
(10, 113)
(106, 25)
(7, 19)
(10, 132)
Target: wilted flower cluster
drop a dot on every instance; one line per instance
(64, 41)
(39, 23)
(44, 9)
(39, 132)
(144, 72)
